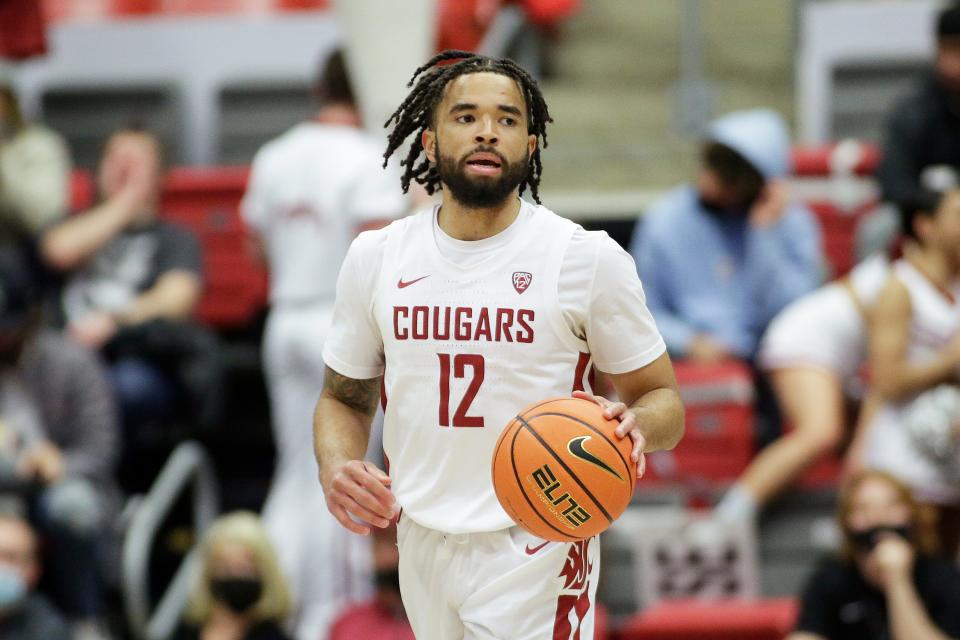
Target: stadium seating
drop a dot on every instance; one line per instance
(57, 10)
(207, 202)
(838, 221)
(682, 620)
(719, 402)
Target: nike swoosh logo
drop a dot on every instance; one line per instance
(532, 551)
(575, 447)
(402, 285)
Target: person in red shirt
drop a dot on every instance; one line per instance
(383, 617)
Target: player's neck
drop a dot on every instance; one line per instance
(936, 266)
(338, 114)
(468, 223)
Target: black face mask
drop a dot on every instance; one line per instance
(865, 541)
(239, 594)
(388, 579)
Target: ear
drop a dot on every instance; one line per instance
(923, 226)
(531, 144)
(429, 141)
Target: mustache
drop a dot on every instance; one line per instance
(484, 149)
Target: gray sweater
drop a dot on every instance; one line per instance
(76, 406)
(35, 619)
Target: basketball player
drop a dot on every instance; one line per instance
(914, 347)
(463, 315)
(814, 348)
(311, 190)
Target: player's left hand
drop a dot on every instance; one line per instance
(628, 426)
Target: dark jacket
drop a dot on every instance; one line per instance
(922, 130)
(36, 619)
(267, 630)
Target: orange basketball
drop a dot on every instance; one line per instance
(560, 471)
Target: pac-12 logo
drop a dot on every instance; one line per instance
(521, 280)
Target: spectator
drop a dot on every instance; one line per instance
(887, 582)
(24, 614)
(34, 168)
(923, 129)
(721, 258)
(241, 594)
(384, 617)
(813, 351)
(311, 191)
(914, 347)
(59, 437)
(132, 280)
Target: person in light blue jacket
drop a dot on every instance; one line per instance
(719, 258)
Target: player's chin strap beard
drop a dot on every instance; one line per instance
(481, 194)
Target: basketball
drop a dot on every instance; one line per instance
(560, 471)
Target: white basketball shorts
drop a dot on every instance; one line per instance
(499, 585)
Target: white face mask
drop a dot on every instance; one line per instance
(12, 587)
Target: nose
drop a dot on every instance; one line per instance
(486, 134)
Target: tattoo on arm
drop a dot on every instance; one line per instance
(359, 395)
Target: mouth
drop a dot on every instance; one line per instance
(484, 163)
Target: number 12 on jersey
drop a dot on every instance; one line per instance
(459, 370)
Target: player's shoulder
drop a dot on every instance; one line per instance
(374, 242)
(587, 249)
(279, 145)
(308, 137)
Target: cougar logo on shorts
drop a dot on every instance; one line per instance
(576, 570)
(521, 280)
(575, 447)
(574, 601)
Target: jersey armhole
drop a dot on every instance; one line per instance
(557, 254)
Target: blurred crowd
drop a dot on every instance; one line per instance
(99, 354)
(103, 370)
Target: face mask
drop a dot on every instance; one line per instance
(867, 539)
(12, 587)
(388, 579)
(239, 594)
(718, 209)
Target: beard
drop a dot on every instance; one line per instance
(481, 192)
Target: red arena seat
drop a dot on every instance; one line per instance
(82, 190)
(719, 401)
(207, 202)
(727, 620)
(839, 229)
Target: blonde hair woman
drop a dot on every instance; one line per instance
(887, 581)
(241, 594)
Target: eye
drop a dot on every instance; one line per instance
(508, 121)
(465, 118)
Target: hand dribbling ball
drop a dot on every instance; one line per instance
(560, 472)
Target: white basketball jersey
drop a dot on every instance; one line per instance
(464, 345)
(466, 351)
(935, 321)
(309, 190)
(936, 313)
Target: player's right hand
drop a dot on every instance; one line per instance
(358, 488)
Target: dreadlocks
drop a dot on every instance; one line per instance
(416, 114)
